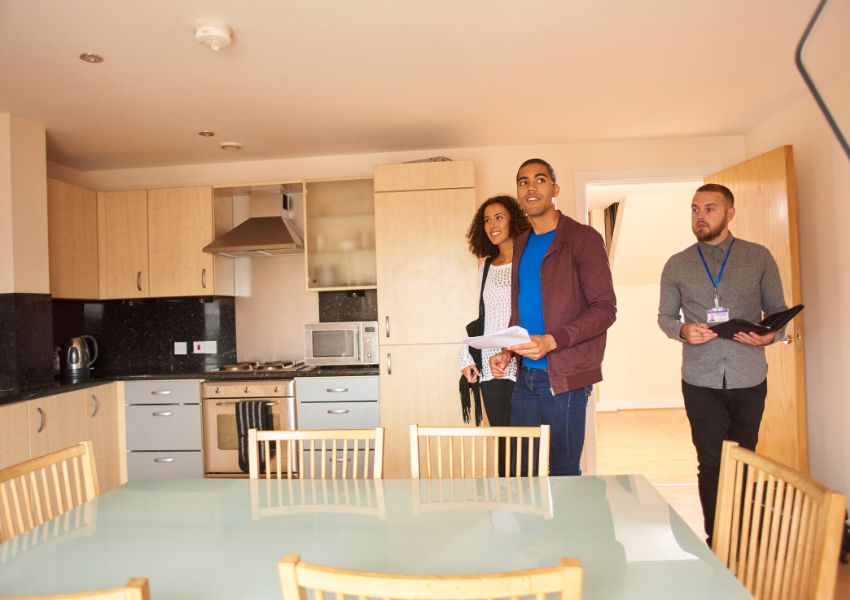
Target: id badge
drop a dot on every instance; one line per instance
(718, 314)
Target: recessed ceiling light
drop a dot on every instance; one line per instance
(232, 146)
(206, 133)
(91, 57)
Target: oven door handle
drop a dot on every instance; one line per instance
(233, 402)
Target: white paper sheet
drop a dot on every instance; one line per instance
(500, 339)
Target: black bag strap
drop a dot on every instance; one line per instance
(481, 292)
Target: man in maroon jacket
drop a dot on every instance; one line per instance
(562, 293)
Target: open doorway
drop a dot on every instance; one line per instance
(641, 426)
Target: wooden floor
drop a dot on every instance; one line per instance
(658, 444)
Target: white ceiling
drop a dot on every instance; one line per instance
(324, 77)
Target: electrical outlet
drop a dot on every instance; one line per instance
(198, 348)
(212, 347)
(180, 348)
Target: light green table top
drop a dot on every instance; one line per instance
(207, 539)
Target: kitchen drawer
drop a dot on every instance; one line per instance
(336, 389)
(259, 389)
(145, 465)
(164, 427)
(335, 462)
(338, 415)
(161, 391)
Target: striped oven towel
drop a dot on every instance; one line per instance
(251, 414)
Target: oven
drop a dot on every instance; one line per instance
(221, 443)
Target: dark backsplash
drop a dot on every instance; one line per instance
(137, 336)
(359, 305)
(25, 340)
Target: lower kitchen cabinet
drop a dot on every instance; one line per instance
(14, 434)
(411, 393)
(56, 422)
(102, 428)
(337, 402)
(163, 419)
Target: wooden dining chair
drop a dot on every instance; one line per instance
(135, 589)
(42, 488)
(563, 581)
(778, 531)
(470, 452)
(316, 454)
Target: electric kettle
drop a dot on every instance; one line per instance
(79, 355)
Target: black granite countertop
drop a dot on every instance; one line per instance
(100, 378)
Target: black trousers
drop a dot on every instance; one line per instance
(718, 415)
(496, 394)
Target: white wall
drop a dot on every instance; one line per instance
(23, 207)
(823, 190)
(642, 366)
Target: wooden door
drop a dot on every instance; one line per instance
(123, 252)
(766, 213)
(426, 275)
(56, 422)
(101, 406)
(180, 224)
(72, 235)
(419, 384)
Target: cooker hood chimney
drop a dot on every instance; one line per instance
(261, 236)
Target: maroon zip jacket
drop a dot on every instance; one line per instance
(579, 304)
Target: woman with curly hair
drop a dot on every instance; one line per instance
(497, 223)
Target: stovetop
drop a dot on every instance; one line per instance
(286, 366)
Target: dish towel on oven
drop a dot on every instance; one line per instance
(251, 414)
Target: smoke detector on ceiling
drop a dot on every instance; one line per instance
(214, 35)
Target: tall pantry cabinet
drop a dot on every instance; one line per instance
(427, 281)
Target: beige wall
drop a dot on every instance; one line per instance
(823, 189)
(642, 366)
(23, 207)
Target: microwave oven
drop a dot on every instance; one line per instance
(342, 343)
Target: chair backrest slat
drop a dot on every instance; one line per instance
(316, 454)
(777, 530)
(45, 487)
(512, 451)
(301, 580)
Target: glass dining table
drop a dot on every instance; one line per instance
(213, 539)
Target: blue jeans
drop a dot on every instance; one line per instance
(533, 404)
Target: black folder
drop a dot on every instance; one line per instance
(769, 324)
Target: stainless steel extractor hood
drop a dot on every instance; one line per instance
(261, 236)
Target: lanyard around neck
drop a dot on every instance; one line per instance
(716, 282)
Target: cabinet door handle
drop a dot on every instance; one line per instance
(161, 393)
(94, 405)
(336, 390)
(389, 363)
(204, 278)
(163, 413)
(41, 420)
(387, 325)
(785, 340)
(139, 281)
(337, 411)
(169, 459)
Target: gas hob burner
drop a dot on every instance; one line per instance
(265, 367)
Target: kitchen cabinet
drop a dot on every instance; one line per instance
(163, 419)
(72, 240)
(56, 422)
(102, 428)
(14, 434)
(180, 224)
(340, 235)
(123, 238)
(426, 295)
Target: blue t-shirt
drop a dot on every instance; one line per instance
(530, 301)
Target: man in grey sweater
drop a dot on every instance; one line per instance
(723, 381)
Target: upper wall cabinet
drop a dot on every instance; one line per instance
(340, 235)
(123, 231)
(146, 243)
(72, 231)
